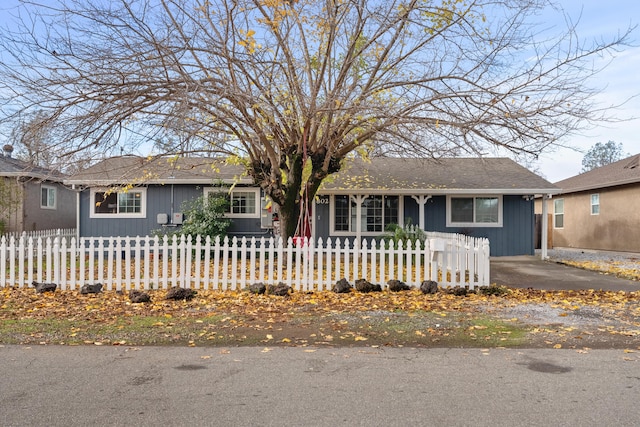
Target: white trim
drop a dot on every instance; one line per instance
(556, 213)
(332, 223)
(474, 224)
(229, 190)
(55, 196)
(143, 204)
(442, 191)
(591, 204)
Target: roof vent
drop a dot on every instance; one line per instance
(7, 150)
(634, 163)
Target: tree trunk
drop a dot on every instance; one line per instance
(287, 193)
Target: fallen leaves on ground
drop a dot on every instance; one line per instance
(318, 318)
(613, 268)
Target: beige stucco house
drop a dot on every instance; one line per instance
(599, 209)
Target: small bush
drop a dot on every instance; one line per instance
(205, 219)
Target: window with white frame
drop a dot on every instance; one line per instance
(376, 213)
(558, 213)
(126, 203)
(595, 204)
(243, 202)
(474, 211)
(48, 197)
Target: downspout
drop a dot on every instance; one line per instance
(172, 208)
(544, 234)
(20, 212)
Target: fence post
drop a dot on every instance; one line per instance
(21, 254)
(30, 252)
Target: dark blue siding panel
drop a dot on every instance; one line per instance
(411, 211)
(322, 218)
(166, 199)
(515, 237)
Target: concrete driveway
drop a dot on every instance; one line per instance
(532, 272)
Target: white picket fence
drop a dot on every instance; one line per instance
(57, 232)
(125, 263)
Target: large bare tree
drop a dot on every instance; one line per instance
(292, 88)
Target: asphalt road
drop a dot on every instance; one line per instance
(532, 272)
(171, 386)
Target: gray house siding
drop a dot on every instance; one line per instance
(38, 218)
(29, 215)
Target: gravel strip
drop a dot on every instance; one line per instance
(624, 260)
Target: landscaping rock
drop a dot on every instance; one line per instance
(280, 290)
(91, 289)
(429, 287)
(397, 286)
(179, 293)
(342, 286)
(459, 291)
(257, 288)
(365, 286)
(139, 296)
(44, 287)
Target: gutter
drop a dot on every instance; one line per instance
(442, 191)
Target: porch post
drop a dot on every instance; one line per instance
(544, 234)
(421, 200)
(358, 199)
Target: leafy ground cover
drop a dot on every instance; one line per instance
(512, 318)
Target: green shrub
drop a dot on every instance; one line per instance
(205, 219)
(395, 233)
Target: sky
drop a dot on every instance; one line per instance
(619, 81)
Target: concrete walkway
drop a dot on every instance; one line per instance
(532, 272)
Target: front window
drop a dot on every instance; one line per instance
(48, 197)
(243, 202)
(128, 204)
(474, 211)
(595, 204)
(377, 212)
(558, 213)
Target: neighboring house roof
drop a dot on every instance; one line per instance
(622, 172)
(12, 167)
(379, 175)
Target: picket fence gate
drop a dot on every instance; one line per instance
(125, 263)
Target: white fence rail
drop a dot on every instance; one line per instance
(58, 232)
(223, 264)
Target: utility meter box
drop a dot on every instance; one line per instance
(178, 217)
(436, 245)
(266, 213)
(162, 218)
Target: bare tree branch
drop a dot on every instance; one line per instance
(278, 83)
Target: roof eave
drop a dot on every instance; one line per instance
(168, 181)
(601, 185)
(442, 191)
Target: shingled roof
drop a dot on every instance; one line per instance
(380, 175)
(439, 176)
(622, 172)
(12, 167)
(158, 170)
